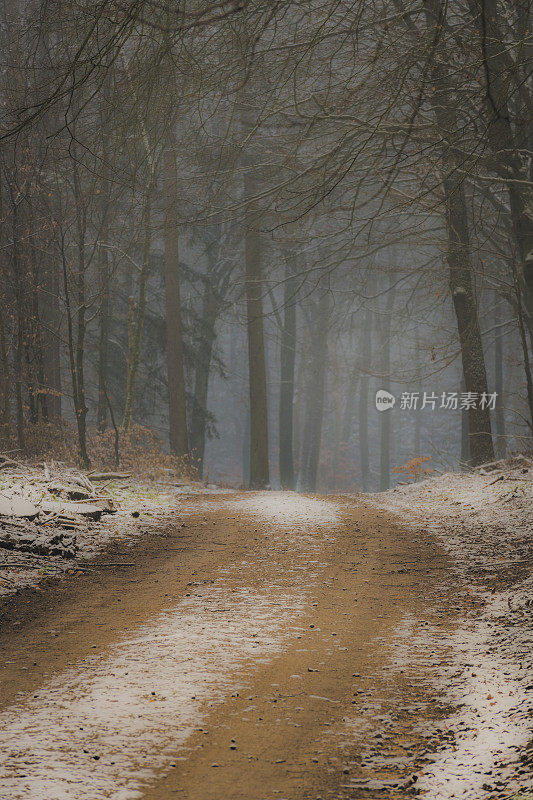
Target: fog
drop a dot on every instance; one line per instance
(292, 240)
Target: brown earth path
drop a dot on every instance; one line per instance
(321, 709)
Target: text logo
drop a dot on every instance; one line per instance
(384, 400)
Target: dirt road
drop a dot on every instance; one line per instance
(266, 646)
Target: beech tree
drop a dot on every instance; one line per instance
(214, 185)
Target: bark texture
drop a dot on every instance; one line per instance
(210, 311)
(385, 417)
(315, 392)
(139, 312)
(459, 256)
(508, 115)
(499, 419)
(177, 412)
(364, 449)
(287, 365)
(259, 468)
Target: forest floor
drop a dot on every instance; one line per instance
(261, 646)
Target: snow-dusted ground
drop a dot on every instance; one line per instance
(289, 509)
(482, 517)
(103, 707)
(484, 520)
(119, 719)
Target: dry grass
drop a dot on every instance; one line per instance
(141, 451)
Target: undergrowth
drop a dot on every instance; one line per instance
(141, 450)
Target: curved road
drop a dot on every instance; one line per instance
(266, 646)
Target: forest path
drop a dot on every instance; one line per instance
(256, 650)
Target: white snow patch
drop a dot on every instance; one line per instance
(490, 724)
(484, 522)
(98, 731)
(106, 708)
(288, 508)
(491, 700)
(477, 516)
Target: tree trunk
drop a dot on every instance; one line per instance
(363, 402)
(80, 399)
(104, 288)
(507, 136)
(459, 252)
(103, 338)
(464, 302)
(32, 325)
(521, 203)
(417, 438)
(287, 365)
(525, 351)
(253, 285)
(210, 310)
(465, 433)
(5, 407)
(498, 380)
(335, 398)
(51, 337)
(20, 317)
(385, 417)
(5, 393)
(299, 408)
(246, 449)
(103, 260)
(77, 399)
(315, 391)
(177, 409)
(349, 405)
(138, 317)
(259, 471)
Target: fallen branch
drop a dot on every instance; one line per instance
(5, 464)
(39, 548)
(109, 476)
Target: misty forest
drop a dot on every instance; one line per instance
(233, 223)
(266, 333)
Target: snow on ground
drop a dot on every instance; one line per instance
(489, 698)
(484, 520)
(498, 508)
(118, 720)
(289, 509)
(102, 723)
